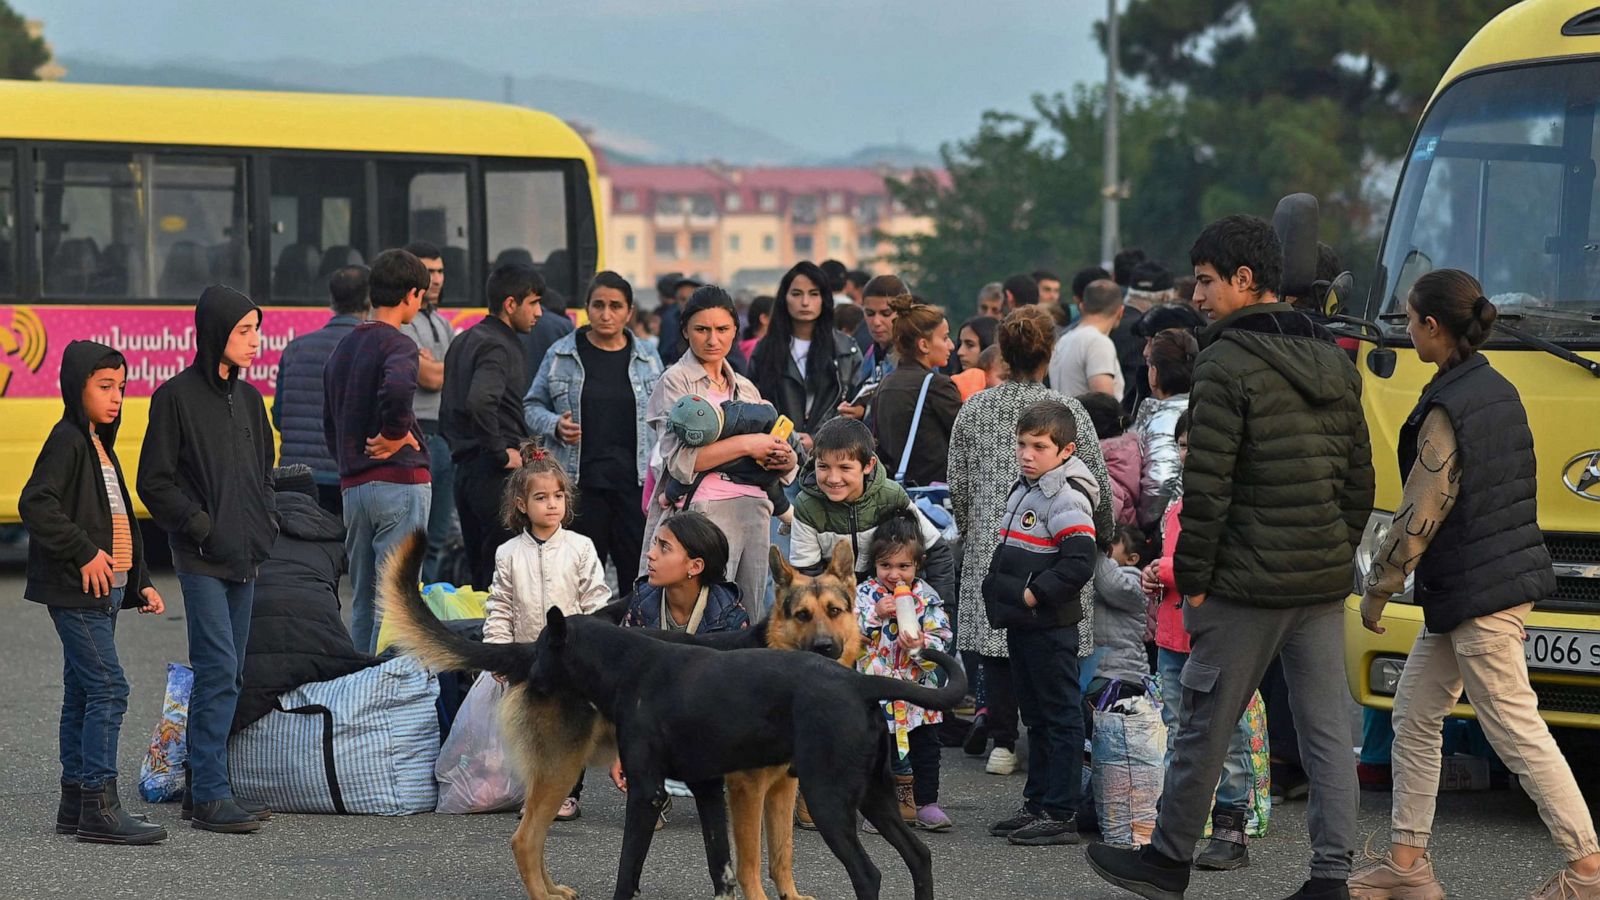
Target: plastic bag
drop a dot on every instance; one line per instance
(448, 602)
(161, 775)
(1128, 745)
(474, 772)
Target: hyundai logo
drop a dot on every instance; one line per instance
(1581, 475)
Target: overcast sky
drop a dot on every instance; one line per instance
(828, 75)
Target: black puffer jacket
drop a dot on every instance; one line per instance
(1278, 484)
(205, 472)
(827, 385)
(296, 635)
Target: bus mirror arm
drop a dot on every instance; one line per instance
(1363, 330)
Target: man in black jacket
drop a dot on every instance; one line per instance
(205, 475)
(1278, 488)
(480, 411)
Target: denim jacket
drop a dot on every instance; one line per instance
(558, 389)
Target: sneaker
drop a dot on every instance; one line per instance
(1143, 871)
(1568, 885)
(1046, 831)
(1001, 762)
(1021, 819)
(932, 818)
(1289, 782)
(1381, 879)
(1322, 889)
(978, 735)
(570, 809)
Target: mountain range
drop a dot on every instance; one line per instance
(634, 125)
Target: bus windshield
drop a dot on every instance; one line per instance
(1501, 183)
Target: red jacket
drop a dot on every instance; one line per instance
(1170, 633)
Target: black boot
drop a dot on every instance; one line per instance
(1227, 849)
(260, 810)
(1323, 889)
(102, 820)
(224, 816)
(67, 812)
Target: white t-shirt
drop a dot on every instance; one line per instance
(799, 350)
(1081, 354)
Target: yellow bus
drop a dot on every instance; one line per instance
(1500, 181)
(118, 205)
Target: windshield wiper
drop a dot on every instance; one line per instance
(1502, 323)
(1554, 349)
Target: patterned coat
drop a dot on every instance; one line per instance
(982, 470)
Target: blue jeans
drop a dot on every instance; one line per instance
(441, 507)
(1233, 791)
(1044, 666)
(217, 614)
(95, 693)
(377, 515)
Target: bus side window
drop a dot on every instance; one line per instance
(8, 224)
(427, 201)
(318, 223)
(527, 216)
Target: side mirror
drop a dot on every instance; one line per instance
(1381, 361)
(1339, 290)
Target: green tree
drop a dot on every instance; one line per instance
(1024, 192)
(1297, 95)
(21, 54)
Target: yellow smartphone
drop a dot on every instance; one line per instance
(783, 428)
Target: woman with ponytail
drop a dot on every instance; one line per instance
(1467, 532)
(922, 347)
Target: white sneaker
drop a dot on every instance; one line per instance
(677, 789)
(1001, 762)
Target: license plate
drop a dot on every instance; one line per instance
(1562, 650)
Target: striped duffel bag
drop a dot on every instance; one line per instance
(364, 744)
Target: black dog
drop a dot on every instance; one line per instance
(698, 714)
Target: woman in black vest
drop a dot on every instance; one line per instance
(1468, 531)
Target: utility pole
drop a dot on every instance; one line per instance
(1111, 190)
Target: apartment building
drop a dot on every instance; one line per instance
(742, 227)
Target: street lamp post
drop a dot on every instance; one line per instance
(1111, 190)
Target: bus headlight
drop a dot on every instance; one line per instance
(1371, 540)
(1383, 675)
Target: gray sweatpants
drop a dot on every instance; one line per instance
(1232, 646)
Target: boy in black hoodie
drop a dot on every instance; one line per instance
(86, 563)
(205, 475)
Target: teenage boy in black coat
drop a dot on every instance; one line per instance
(86, 563)
(205, 476)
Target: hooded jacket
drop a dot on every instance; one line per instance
(1279, 480)
(296, 635)
(820, 523)
(205, 472)
(1047, 545)
(64, 503)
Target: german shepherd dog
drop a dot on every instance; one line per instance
(812, 614)
(689, 711)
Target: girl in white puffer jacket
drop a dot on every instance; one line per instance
(545, 565)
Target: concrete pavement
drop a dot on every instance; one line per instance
(1489, 845)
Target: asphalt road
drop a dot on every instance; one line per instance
(1489, 844)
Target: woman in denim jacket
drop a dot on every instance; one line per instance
(588, 403)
